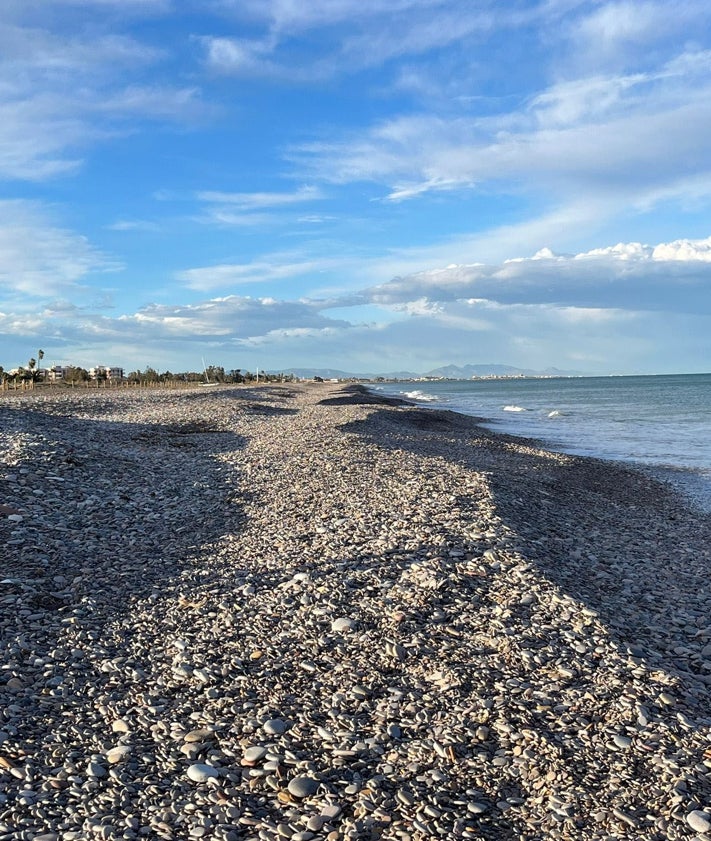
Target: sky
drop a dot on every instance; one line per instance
(367, 185)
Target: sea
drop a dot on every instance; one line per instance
(659, 423)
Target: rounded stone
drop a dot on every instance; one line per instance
(699, 821)
(117, 754)
(342, 625)
(202, 734)
(275, 727)
(303, 786)
(255, 753)
(200, 773)
(96, 769)
(315, 823)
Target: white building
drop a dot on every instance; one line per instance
(106, 372)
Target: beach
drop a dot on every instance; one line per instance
(307, 611)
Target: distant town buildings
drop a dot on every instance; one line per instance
(57, 373)
(104, 372)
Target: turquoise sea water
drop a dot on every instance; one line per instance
(663, 422)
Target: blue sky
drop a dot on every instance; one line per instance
(358, 184)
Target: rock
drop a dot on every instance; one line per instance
(118, 754)
(200, 773)
(275, 726)
(342, 625)
(254, 754)
(699, 821)
(203, 734)
(303, 786)
(96, 769)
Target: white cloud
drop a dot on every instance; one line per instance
(670, 277)
(625, 141)
(614, 34)
(315, 219)
(408, 191)
(252, 209)
(588, 311)
(62, 91)
(39, 260)
(235, 317)
(684, 250)
(352, 35)
(133, 225)
(277, 267)
(236, 56)
(252, 201)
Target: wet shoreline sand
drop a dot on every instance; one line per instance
(309, 612)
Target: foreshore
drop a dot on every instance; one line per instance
(308, 612)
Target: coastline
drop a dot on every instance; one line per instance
(432, 628)
(686, 471)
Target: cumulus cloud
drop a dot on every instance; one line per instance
(233, 316)
(673, 277)
(583, 311)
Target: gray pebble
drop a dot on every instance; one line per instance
(275, 727)
(200, 773)
(303, 786)
(699, 821)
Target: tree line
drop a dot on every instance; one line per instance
(211, 374)
(31, 373)
(74, 375)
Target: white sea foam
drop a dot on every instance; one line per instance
(513, 408)
(419, 395)
(554, 414)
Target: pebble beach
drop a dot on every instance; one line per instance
(304, 611)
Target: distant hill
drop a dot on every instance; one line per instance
(453, 372)
(466, 372)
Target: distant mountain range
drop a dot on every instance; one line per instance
(452, 372)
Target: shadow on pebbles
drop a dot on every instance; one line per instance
(302, 613)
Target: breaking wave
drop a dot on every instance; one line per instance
(419, 395)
